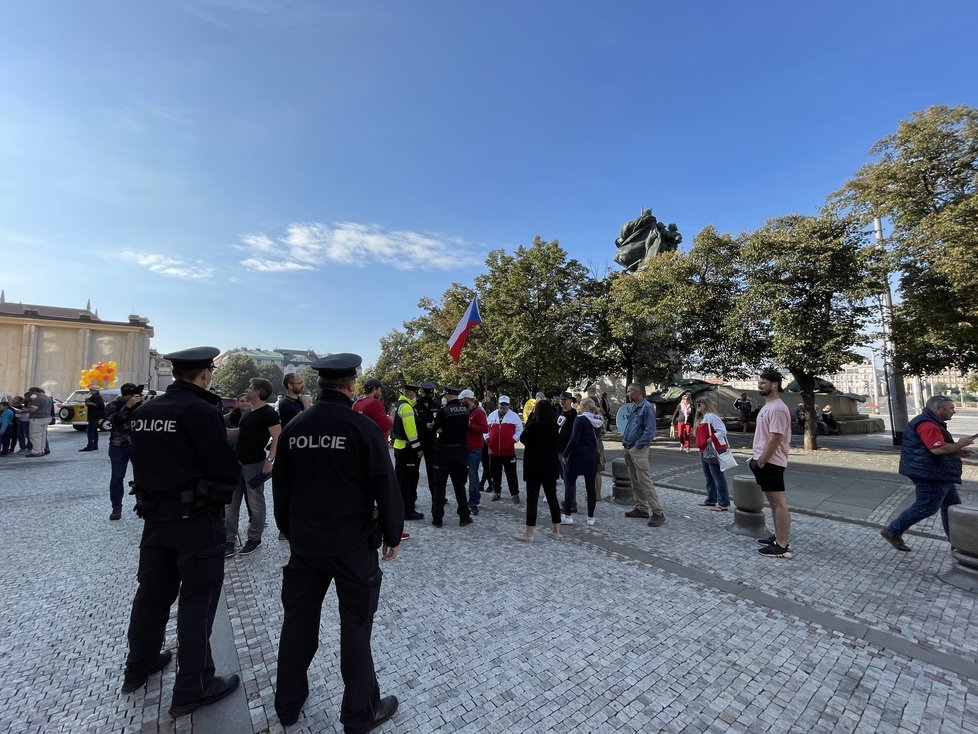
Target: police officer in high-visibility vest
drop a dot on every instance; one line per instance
(452, 427)
(183, 475)
(407, 450)
(331, 476)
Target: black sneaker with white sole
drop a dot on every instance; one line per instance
(775, 551)
(768, 540)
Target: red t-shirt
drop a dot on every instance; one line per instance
(931, 435)
(374, 410)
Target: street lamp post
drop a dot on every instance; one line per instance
(876, 383)
(894, 378)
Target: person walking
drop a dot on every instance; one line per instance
(505, 428)
(636, 439)
(117, 414)
(931, 459)
(710, 429)
(769, 459)
(259, 428)
(183, 475)
(541, 468)
(580, 457)
(682, 421)
(94, 415)
(334, 536)
(744, 406)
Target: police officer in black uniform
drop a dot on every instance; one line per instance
(336, 500)
(183, 475)
(451, 425)
(425, 407)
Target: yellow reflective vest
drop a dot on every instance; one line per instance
(405, 428)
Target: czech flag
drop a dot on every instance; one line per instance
(469, 319)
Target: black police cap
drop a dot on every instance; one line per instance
(129, 388)
(195, 358)
(449, 390)
(428, 386)
(344, 364)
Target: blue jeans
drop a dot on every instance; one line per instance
(716, 483)
(255, 498)
(474, 459)
(931, 497)
(119, 457)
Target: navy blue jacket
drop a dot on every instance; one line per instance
(917, 461)
(582, 449)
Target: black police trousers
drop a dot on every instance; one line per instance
(407, 473)
(182, 558)
(452, 462)
(305, 581)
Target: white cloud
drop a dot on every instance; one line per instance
(172, 267)
(307, 246)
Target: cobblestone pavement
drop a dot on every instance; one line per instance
(616, 628)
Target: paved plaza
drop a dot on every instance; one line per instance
(616, 628)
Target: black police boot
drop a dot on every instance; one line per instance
(221, 687)
(134, 681)
(116, 513)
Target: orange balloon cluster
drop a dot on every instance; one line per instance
(103, 374)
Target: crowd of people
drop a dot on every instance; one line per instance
(338, 497)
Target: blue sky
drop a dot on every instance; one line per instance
(297, 174)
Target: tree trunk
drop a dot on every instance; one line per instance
(806, 382)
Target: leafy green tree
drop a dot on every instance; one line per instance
(231, 378)
(924, 180)
(530, 305)
(809, 286)
(310, 381)
(273, 373)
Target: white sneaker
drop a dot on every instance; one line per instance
(590, 522)
(566, 520)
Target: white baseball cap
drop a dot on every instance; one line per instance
(504, 399)
(466, 394)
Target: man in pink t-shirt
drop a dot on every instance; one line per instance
(769, 459)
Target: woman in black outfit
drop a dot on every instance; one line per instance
(541, 467)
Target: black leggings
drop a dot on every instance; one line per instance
(533, 497)
(570, 491)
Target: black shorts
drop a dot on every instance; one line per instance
(770, 477)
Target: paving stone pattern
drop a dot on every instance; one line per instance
(479, 633)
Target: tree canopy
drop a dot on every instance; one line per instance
(924, 181)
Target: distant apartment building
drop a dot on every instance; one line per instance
(287, 360)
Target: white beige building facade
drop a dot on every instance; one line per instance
(48, 347)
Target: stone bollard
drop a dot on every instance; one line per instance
(962, 524)
(621, 482)
(748, 517)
